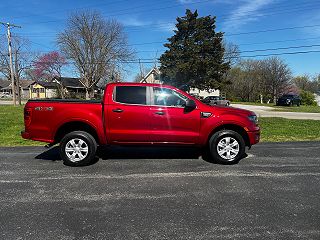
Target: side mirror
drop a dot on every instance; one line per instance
(190, 105)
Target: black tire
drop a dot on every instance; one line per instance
(227, 104)
(235, 152)
(77, 141)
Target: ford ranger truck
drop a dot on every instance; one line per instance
(139, 114)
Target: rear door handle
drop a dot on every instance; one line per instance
(159, 113)
(117, 110)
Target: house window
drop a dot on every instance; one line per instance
(41, 90)
(130, 95)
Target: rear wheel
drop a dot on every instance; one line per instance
(227, 147)
(78, 148)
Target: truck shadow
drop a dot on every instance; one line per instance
(135, 152)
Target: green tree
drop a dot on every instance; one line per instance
(307, 98)
(195, 55)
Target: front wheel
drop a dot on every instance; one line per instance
(227, 147)
(78, 148)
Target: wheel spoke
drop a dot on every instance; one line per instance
(235, 143)
(223, 151)
(69, 149)
(72, 143)
(84, 149)
(228, 154)
(81, 142)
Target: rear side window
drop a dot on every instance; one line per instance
(131, 95)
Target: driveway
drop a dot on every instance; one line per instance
(264, 111)
(161, 193)
(10, 102)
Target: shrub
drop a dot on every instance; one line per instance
(307, 98)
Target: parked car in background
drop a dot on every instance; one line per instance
(289, 100)
(5, 95)
(216, 100)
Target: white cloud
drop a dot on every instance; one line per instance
(134, 22)
(185, 1)
(247, 12)
(166, 27)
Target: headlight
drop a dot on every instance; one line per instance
(253, 118)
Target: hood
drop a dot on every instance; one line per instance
(217, 110)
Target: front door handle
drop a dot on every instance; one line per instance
(159, 113)
(117, 110)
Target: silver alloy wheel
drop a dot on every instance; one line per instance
(76, 149)
(228, 148)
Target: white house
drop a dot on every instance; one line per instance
(203, 93)
(317, 98)
(153, 76)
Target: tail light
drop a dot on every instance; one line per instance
(27, 116)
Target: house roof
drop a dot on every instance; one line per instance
(46, 84)
(154, 70)
(69, 82)
(4, 83)
(26, 83)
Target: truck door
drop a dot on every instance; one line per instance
(127, 115)
(169, 122)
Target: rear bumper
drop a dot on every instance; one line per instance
(254, 137)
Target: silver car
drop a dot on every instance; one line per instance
(216, 100)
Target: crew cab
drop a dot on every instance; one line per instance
(139, 114)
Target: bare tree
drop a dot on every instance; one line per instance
(232, 53)
(95, 45)
(276, 76)
(22, 58)
(245, 81)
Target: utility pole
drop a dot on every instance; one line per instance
(9, 26)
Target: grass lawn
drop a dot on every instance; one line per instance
(302, 108)
(254, 104)
(273, 129)
(284, 130)
(11, 124)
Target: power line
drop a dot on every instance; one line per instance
(281, 48)
(279, 54)
(244, 51)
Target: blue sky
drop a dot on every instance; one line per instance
(149, 23)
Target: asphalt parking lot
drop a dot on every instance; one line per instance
(161, 193)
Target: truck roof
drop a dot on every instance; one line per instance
(140, 84)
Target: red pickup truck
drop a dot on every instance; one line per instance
(139, 114)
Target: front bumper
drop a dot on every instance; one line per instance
(254, 137)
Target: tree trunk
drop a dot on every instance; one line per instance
(87, 94)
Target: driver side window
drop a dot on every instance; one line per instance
(168, 97)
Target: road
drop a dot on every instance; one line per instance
(161, 193)
(265, 111)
